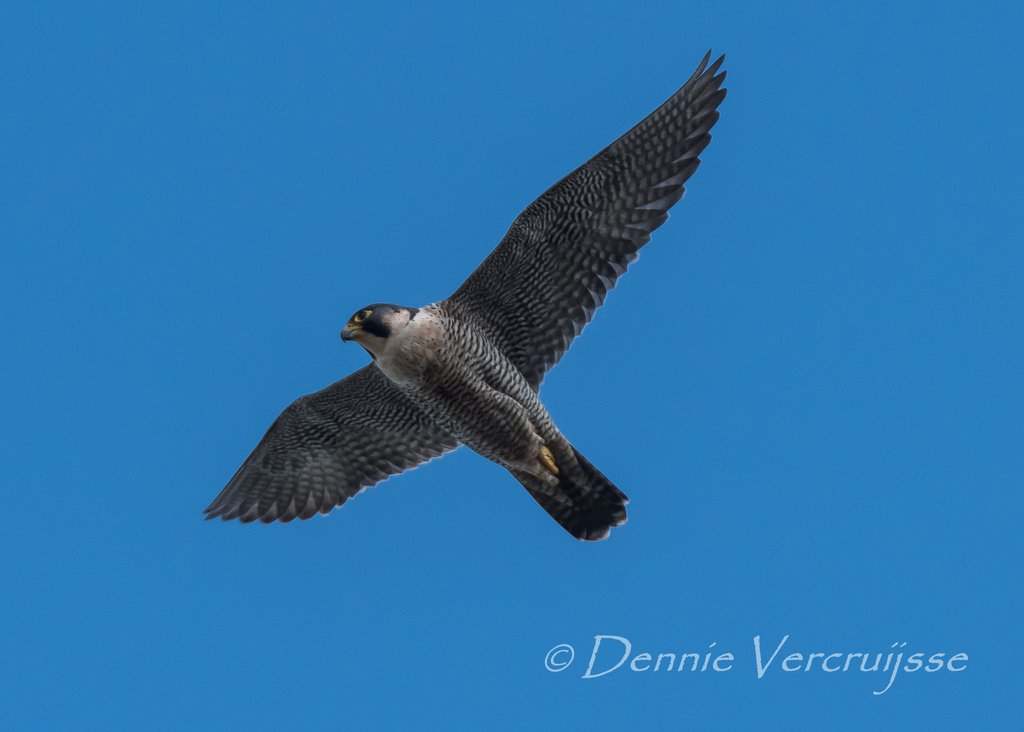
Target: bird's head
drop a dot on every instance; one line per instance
(371, 326)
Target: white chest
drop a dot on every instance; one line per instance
(411, 350)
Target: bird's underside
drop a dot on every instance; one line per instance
(467, 370)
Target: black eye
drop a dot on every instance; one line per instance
(361, 316)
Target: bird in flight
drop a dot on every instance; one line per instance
(467, 370)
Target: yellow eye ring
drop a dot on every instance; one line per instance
(361, 316)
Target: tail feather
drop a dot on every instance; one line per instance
(584, 502)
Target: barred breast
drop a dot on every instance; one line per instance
(471, 390)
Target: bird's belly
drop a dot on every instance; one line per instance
(472, 392)
(487, 421)
(486, 413)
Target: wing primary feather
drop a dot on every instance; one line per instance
(326, 447)
(589, 224)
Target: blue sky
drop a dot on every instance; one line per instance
(809, 384)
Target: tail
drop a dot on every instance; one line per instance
(584, 502)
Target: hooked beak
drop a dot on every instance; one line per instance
(348, 333)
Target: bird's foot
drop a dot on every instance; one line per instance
(547, 459)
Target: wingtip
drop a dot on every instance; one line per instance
(714, 67)
(704, 62)
(700, 69)
(705, 70)
(215, 514)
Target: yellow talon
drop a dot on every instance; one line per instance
(548, 460)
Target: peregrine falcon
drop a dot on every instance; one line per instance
(467, 370)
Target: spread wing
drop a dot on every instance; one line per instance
(328, 446)
(541, 285)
